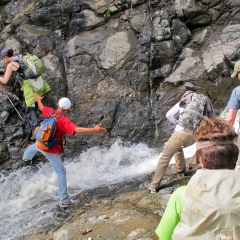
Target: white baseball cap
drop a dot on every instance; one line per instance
(64, 103)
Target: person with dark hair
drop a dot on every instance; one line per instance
(28, 86)
(208, 207)
(63, 125)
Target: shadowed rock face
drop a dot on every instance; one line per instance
(124, 62)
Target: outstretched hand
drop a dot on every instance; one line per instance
(37, 97)
(99, 129)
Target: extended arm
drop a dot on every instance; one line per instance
(96, 129)
(231, 116)
(39, 101)
(172, 214)
(8, 73)
(172, 113)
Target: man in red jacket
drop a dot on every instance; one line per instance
(64, 125)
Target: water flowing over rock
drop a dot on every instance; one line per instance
(122, 63)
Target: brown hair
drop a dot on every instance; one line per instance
(220, 156)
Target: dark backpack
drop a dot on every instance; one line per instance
(32, 67)
(45, 139)
(192, 115)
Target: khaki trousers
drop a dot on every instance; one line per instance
(174, 146)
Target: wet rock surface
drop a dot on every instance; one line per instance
(126, 210)
(124, 64)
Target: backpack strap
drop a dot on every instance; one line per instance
(15, 65)
(21, 70)
(55, 116)
(51, 113)
(58, 115)
(62, 136)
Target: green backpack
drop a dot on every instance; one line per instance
(32, 67)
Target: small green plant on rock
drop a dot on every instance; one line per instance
(107, 13)
(196, 29)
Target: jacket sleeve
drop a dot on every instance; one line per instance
(171, 114)
(172, 214)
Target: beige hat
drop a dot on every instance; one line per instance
(236, 69)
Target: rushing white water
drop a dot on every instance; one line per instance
(29, 196)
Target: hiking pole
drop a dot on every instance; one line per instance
(4, 91)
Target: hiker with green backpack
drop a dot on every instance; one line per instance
(29, 67)
(190, 111)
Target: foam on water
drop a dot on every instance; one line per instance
(29, 195)
(103, 166)
(21, 192)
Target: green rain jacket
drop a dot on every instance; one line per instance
(29, 88)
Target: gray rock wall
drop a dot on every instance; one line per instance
(125, 62)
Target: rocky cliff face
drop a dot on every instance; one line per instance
(125, 62)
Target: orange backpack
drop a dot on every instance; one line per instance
(45, 139)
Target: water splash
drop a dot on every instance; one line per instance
(29, 196)
(21, 194)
